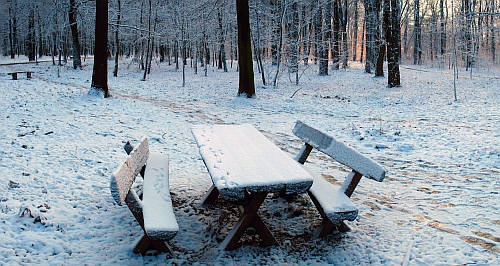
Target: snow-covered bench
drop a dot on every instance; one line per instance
(14, 74)
(332, 201)
(151, 206)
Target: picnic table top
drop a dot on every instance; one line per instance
(239, 158)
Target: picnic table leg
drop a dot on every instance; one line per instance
(249, 218)
(146, 244)
(211, 196)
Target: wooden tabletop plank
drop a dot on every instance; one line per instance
(240, 157)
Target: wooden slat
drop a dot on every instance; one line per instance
(123, 178)
(339, 151)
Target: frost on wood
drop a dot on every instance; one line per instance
(159, 217)
(339, 151)
(123, 178)
(239, 158)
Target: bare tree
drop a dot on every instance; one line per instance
(100, 73)
(73, 10)
(246, 81)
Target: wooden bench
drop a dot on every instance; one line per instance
(333, 202)
(14, 74)
(151, 205)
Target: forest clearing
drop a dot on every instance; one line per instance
(439, 203)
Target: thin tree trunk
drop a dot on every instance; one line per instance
(394, 77)
(355, 31)
(258, 53)
(417, 47)
(284, 5)
(73, 10)
(117, 39)
(327, 36)
(148, 49)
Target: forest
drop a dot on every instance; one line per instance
(287, 35)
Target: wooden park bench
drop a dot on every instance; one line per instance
(151, 205)
(333, 202)
(14, 74)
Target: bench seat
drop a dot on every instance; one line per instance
(333, 201)
(159, 217)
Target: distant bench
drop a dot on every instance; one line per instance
(14, 74)
(151, 205)
(332, 201)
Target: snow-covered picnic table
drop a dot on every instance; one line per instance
(245, 166)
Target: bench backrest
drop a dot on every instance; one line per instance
(123, 178)
(339, 151)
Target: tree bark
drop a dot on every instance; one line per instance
(31, 39)
(327, 36)
(73, 10)
(117, 39)
(395, 45)
(417, 47)
(100, 73)
(246, 77)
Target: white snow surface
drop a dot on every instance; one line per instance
(159, 218)
(239, 156)
(438, 205)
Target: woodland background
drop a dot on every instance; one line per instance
(287, 35)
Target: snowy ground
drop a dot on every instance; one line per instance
(439, 204)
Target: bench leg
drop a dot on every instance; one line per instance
(28, 75)
(14, 76)
(249, 218)
(146, 244)
(324, 229)
(211, 196)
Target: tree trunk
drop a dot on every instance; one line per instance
(336, 36)
(148, 47)
(73, 10)
(395, 45)
(385, 38)
(417, 47)
(259, 52)
(246, 77)
(327, 36)
(371, 31)
(117, 39)
(12, 30)
(442, 27)
(100, 73)
(222, 40)
(31, 38)
(293, 43)
(355, 31)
